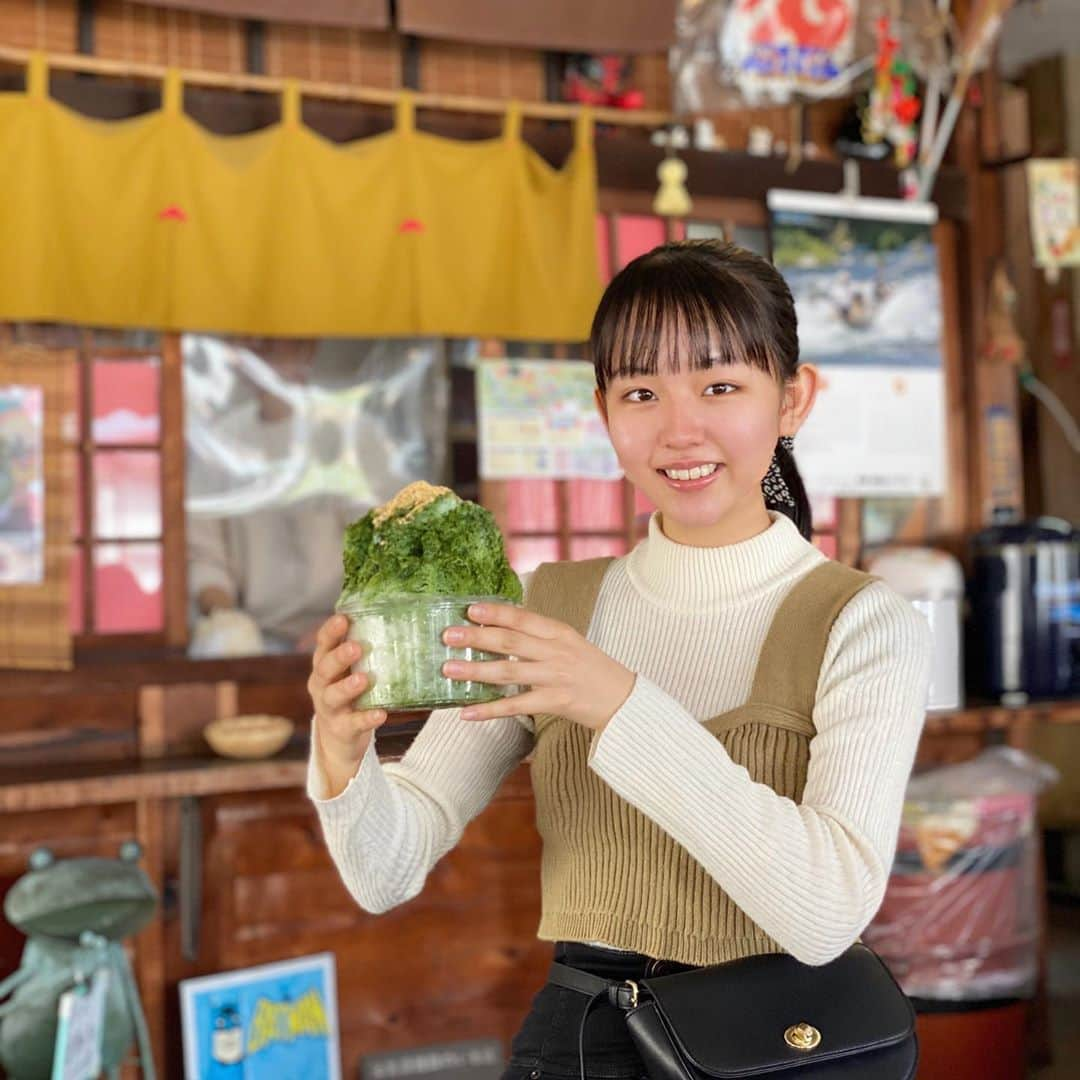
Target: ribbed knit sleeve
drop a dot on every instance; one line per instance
(811, 875)
(394, 821)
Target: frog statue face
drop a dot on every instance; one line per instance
(65, 898)
(74, 913)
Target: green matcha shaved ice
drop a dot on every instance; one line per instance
(412, 567)
(428, 541)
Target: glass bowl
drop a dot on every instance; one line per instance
(404, 652)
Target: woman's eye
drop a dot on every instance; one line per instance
(638, 395)
(720, 389)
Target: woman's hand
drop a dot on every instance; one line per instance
(562, 673)
(342, 734)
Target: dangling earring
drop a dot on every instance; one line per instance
(775, 489)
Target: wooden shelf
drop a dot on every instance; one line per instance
(979, 719)
(57, 787)
(60, 787)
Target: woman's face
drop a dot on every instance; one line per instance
(698, 443)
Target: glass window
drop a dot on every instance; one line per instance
(126, 394)
(127, 494)
(127, 588)
(596, 505)
(532, 506)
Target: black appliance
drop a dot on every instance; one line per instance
(1024, 611)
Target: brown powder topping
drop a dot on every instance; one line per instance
(412, 499)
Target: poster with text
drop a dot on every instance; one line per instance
(864, 275)
(1054, 210)
(22, 485)
(538, 418)
(274, 1022)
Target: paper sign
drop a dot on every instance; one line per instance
(538, 418)
(78, 1034)
(475, 1059)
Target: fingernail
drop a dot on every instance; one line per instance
(478, 611)
(451, 667)
(354, 680)
(454, 634)
(469, 714)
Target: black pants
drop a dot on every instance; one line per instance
(547, 1043)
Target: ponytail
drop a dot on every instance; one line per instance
(784, 490)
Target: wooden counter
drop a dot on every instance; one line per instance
(94, 757)
(56, 787)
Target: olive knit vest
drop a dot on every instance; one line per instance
(609, 873)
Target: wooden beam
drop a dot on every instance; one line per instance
(126, 69)
(173, 515)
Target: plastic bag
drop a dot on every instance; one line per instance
(738, 53)
(734, 54)
(225, 632)
(354, 420)
(960, 920)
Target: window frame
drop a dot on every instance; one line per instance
(172, 537)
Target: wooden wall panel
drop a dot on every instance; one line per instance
(38, 728)
(651, 75)
(334, 55)
(482, 71)
(47, 24)
(271, 892)
(137, 32)
(281, 699)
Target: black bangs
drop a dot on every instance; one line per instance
(692, 305)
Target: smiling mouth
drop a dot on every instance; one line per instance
(696, 473)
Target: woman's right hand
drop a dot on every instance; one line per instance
(342, 733)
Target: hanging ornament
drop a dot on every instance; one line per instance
(894, 103)
(672, 199)
(601, 80)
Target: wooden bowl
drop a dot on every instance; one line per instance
(255, 736)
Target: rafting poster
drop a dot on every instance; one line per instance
(864, 275)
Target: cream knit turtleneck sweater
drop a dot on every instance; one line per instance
(690, 622)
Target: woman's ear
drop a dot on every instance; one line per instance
(601, 405)
(800, 393)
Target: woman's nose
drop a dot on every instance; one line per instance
(683, 424)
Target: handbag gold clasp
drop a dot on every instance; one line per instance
(802, 1036)
(633, 993)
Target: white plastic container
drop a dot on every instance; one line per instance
(934, 583)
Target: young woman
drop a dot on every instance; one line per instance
(722, 723)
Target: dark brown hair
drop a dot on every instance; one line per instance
(723, 304)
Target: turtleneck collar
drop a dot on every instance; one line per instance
(685, 578)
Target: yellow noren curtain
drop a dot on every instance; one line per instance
(156, 222)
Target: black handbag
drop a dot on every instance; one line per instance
(763, 1016)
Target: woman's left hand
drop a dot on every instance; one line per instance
(562, 673)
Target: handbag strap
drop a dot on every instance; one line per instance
(623, 995)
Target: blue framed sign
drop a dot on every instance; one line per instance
(273, 1022)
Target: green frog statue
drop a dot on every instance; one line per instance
(75, 913)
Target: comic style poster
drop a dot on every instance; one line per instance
(864, 275)
(273, 1022)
